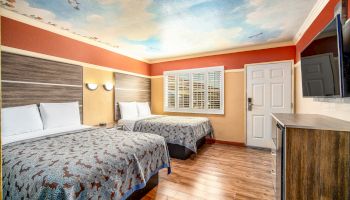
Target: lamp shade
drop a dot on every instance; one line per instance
(108, 86)
(91, 86)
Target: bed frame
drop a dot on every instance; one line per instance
(181, 152)
(152, 183)
(175, 151)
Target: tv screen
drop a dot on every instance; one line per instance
(321, 60)
(346, 59)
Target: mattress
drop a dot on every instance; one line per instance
(184, 131)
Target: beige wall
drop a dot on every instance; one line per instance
(98, 104)
(309, 105)
(228, 127)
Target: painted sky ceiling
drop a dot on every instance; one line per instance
(157, 29)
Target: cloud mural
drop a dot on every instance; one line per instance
(156, 29)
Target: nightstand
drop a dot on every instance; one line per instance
(108, 125)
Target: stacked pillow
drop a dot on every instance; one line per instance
(25, 119)
(134, 110)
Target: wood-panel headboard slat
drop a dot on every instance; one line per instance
(130, 88)
(28, 80)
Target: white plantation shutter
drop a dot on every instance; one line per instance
(171, 91)
(198, 90)
(183, 91)
(214, 89)
(195, 90)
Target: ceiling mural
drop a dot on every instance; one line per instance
(157, 29)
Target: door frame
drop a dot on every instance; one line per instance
(245, 90)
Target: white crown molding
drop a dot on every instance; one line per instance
(240, 49)
(226, 71)
(64, 60)
(315, 11)
(53, 29)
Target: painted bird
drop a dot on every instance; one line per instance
(74, 4)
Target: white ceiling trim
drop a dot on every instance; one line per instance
(53, 29)
(64, 60)
(241, 49)
(316, 10)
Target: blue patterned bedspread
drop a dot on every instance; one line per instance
(184, 131)
(96, 163)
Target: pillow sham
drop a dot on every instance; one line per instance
(20, 119)
(128, 110)
(143, 109)
(56, 115)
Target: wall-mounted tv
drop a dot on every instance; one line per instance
(325, 62)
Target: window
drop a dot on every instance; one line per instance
(195, 90)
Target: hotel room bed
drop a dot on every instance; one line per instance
(97, 163)
(184, 135)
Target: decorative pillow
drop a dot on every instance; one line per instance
(56, 115)
(128, 110)
(20, 119)
(143, 109)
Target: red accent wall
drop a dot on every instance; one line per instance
(319, 23)
(22, 36)
(348, 9)
(230, 61)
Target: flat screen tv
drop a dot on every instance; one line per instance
(325, 63)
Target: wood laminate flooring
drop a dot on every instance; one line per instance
(218, 172)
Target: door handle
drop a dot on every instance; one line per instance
(250, 104)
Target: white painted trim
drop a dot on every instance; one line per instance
(270, 62)
(234, 70)
(316, 10)
(235, 50)
(191, 70)
(159, 76)
(226, 71)
(64, 60)
(53, 29)
(205, 110)
(41, 83)
(130, 89)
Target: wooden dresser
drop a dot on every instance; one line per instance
(312, 157)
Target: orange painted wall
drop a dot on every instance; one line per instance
(230, 61)
(22, 36)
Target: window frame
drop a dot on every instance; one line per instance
(205, 71)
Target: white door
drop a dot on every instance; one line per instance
(269, 87)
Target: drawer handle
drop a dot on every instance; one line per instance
(273, 172)
(273, 152)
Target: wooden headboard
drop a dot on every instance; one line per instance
(28, 80)
(131, 88)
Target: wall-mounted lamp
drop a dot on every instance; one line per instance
(108, 86)
(91, 86)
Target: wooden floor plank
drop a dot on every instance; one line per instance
(217, 172)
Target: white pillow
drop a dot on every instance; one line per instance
(143, 109)
(128, 110)
(21, 119)
(57, 115)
